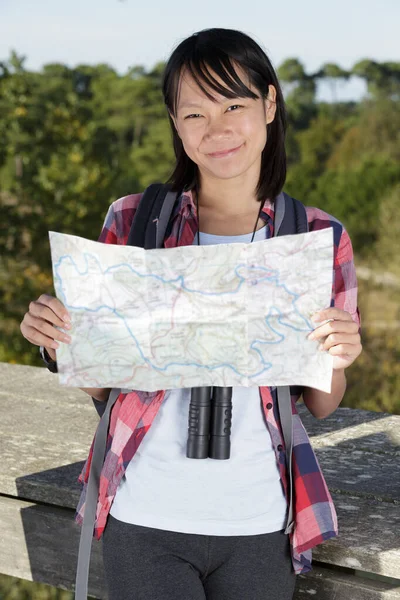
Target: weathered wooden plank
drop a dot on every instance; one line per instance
(361, 473)
(57, 425)
(45, 435)
(40, 543)
(324, 584)
(354, 429)
(379, 432)
(44, 445)
(369, 536)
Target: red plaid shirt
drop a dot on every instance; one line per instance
(132, 415)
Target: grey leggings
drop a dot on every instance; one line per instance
(142, 563)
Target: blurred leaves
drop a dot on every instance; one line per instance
(12, 588)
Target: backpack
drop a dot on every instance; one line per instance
(147, 231)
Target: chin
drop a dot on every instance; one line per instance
(227, 173)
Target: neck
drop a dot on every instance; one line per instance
(236, 196)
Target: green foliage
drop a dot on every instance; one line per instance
(299, 89)
(353, 196)
(12, 588)
(316, 142)
(157, 142)
(72, 140)
(387, 247)
(383, 79)
(373, 381)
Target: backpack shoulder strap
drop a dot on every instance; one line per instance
(290, 217)
(92, 492)
(152, 217)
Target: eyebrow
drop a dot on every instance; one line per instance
(189, 105)
(198, 105)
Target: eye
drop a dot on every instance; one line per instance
(193, 116)
(235, 106)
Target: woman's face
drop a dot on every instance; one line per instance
(224, 138)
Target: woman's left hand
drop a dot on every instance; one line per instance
(339, 337)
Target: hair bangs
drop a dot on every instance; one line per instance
(218, 74)
(211, 72)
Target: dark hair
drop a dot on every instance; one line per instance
(219, 50)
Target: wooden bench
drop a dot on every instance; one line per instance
(45, 433)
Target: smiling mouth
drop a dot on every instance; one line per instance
(223, 153)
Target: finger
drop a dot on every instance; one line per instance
(39, 332)
(48, 310)
(56, 306)
(348, 350)
(339, 338)
(37, 338)
(331, 313)
(333, 327)
(46, 328)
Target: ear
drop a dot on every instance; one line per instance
(270, 104)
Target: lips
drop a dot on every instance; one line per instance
(222, 153)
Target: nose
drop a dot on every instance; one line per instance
(218, 129)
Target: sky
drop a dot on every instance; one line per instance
(124, 33)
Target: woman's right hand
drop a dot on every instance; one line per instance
(38, 323)
(38, 327)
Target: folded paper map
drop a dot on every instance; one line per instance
(223, 315)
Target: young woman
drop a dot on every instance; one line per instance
(173, 527)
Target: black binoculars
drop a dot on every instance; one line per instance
(210, 422)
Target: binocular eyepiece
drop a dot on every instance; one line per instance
(210, 422)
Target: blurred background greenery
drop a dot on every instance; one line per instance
(12, 588)
(72, 140)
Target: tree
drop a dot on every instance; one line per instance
(383, 79)
(299, 89)
(334, 75)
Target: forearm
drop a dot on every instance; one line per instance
(100, 394)
(320, 404)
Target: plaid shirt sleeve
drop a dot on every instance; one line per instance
(119, 219)
(108, 234)
(345, 278)
(344, 289)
